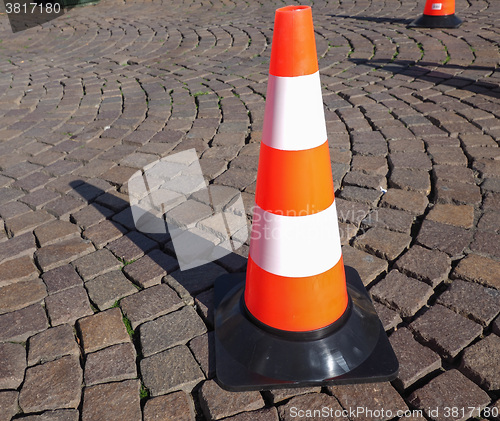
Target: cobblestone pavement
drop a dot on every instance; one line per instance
(96, 321)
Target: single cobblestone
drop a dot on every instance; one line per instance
(409, 201)
(113, 200)
(53, 385)
(19, 325)
(383, 243)
(90, 190)
(17, 270)
(56, 231)
(105, 290)
(403, 294)
(150, 269)
(35, 200)
(376, 165)
(21, 294)
(131, 246)
(238, 178)
(13, 357)
(167, 331)
(171, 370)
(218, 403)
(457, 193)
(196, 280)
(19, 246)
(54, 255)
(149, 304)
(410, 160)
(456, 215)
(463, 298)
(450, 239)
(359, 194)
(91, 215)
(68, 306)
(415, 360)
(351, 212)
(118, 401)
(177, 406)
(390, 319)
(410, 179)
(187, 214)
(95, 264)
(118, 176)
(367, 265)
(489, 221)
(481, 363)
(51, 344)
(112, 364)
(478, 269)
(445, 331)
(8, 404)
(61, 278)
(102, 330)
(390, 219)
(435, 270)
(376, 396)
(63, 207)
(452, 390)
(359, 179)
(486, 243)
(104, 232)
(13, 209)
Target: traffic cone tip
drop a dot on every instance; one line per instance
(293, 50)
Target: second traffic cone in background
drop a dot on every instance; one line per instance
(295, 319)
(438, 14)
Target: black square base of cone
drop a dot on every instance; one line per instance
(251, 358)
(428, 21)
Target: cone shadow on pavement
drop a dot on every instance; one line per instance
(421, 73)
(373, 19)
(187, 279)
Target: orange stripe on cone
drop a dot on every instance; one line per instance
(293, 51)
(294, 183)
(296, 304)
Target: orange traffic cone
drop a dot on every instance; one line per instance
(294, 319)
(438, 14)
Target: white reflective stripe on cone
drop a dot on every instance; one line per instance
(295, 246)
(294, 118)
